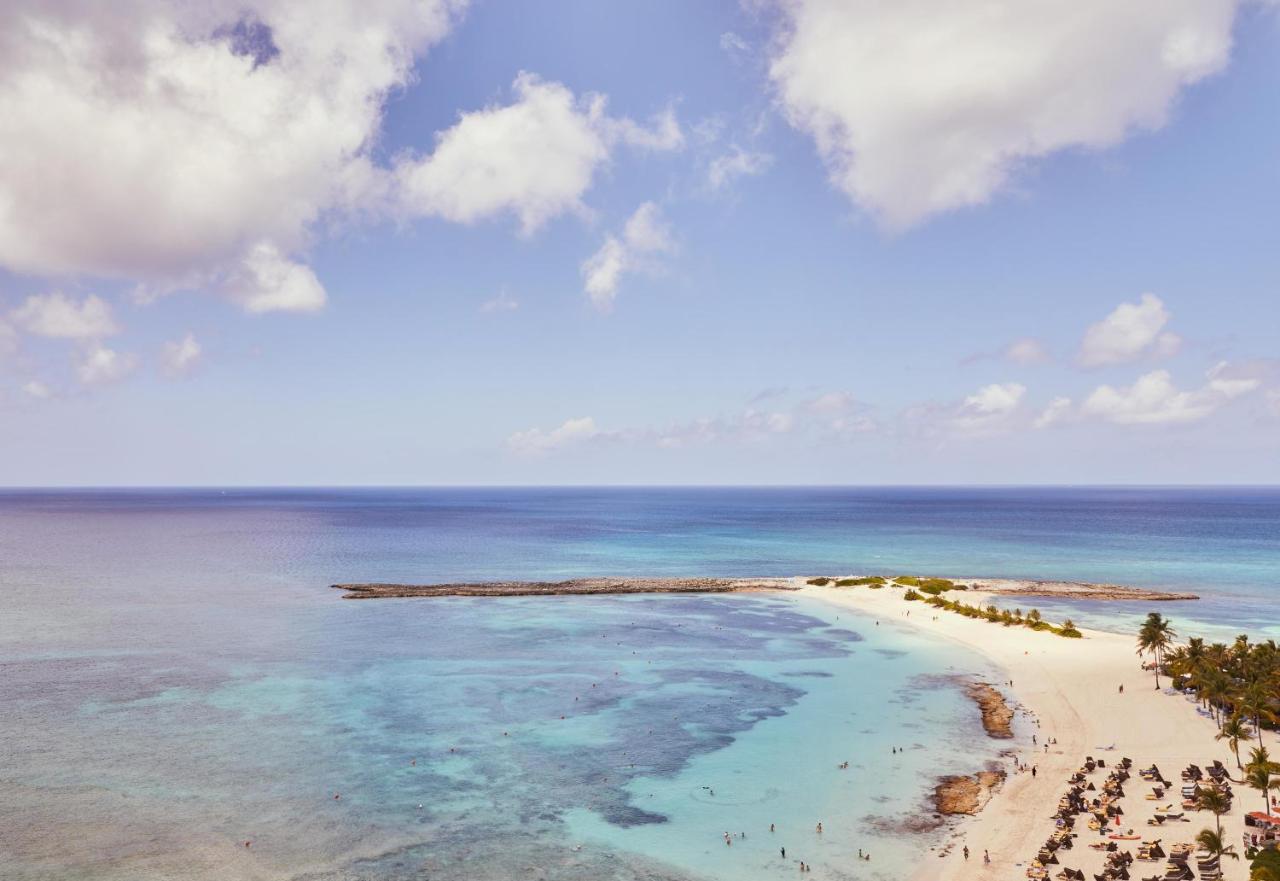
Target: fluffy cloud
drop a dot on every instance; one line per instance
(644, 236)
(737, 163)
(1059, 410)
(1131, 331)
(533, 158)
(57, 315)
(267, 281)
(989, 406)
(193, 144)
(101, 366)
(571, 433)
(919, 107)
(180, 357)
(1154, 400)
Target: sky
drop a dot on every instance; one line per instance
(805, 241)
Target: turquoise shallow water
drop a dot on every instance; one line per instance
(178, 678)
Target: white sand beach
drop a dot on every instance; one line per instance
(1071, 686)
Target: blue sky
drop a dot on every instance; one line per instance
(809, 242)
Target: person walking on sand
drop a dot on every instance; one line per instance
(966, 851)
(1122, 688)
(783, 850)
(819, 828)
(986, 857)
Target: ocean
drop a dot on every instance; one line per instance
(178, 678)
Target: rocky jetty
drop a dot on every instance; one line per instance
(963, 794)
(1077, 590)
(576, 586)
(997, 715)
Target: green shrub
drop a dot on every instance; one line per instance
(872, 580)
(820, 582)
(911, 594)
(1068, 629)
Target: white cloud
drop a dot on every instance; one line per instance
(100, 365)
(572, 432)
(180, 357)
(266, 281)
(533, 158)
(995, 399)
(920, 107)
(504, 302)
(1154, 400)
(645, 235)
(750, 425)
(737, 163)
(663, 132)
(57, 315)
(37, 389)
(989, 408)
(176, 143)
(1059, 410)
(1026, 351)
(1131, 331)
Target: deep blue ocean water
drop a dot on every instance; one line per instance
(177, 677)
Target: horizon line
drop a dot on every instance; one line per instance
(438, 486)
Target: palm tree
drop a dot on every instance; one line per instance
(1260, 758)
(1259, 777)
(1154, 637)
(1265, 867)
(1216, 802)
(1255, 702)
(1234, 730)
(1211, 842)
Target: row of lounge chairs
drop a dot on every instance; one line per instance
(1101, 804)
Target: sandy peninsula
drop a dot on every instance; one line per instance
(1068, 690)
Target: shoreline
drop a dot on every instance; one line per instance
(1068, 690)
